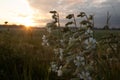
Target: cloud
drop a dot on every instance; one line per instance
(23, 15)
(97, 7)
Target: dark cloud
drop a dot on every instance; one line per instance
(97, 7)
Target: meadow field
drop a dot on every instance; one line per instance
(22, 57)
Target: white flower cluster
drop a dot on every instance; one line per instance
(71, 51)
(45, 41)
(79, 61)
(90, 43)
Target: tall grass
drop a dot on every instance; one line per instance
(22, 57)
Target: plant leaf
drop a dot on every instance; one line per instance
(53, 11)
(70, 16)
(54, 16)
(90, 17)
(69, 23)
(84, 22)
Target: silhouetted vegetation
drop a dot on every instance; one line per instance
(107, 21)
(6, 22)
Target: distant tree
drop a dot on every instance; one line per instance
(6, 22)
(107, 21)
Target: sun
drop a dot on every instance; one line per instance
(26, 21)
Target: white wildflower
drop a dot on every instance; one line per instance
(90, 42)
(89, 32)
(44, 37)
(82, 58)
(60, 71)
(47, 44)
(54, 67)
(79, 38)
(79, 61)
(61, 54)
(85, 75)
(45, 41)
(71, 40)
(78, 57)
(61, 51)
(56, 51)
(61, 41)
(61, 57)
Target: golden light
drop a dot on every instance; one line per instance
(27, 21)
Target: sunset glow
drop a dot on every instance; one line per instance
(17, 12)
(26, 21)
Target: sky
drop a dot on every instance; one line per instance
(36, 12)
